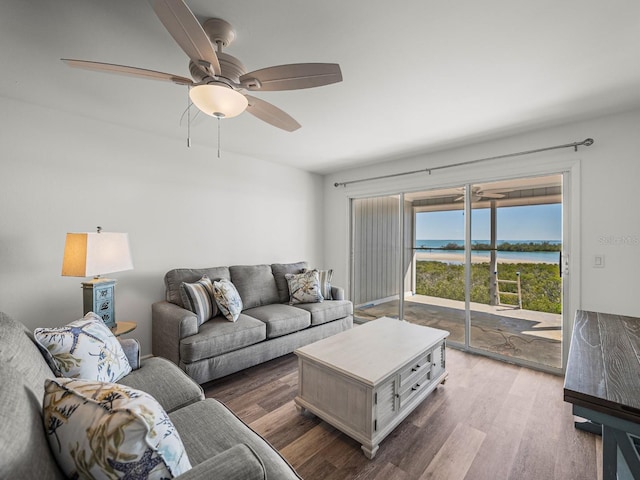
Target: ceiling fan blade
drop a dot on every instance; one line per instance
(271, 114)
(292, 77)
(131, 71)
(187, 32)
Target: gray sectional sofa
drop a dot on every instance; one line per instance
(268, 326)
(218, 444)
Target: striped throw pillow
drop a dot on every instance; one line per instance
(325, 282)
(197, 297)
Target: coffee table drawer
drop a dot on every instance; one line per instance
(414, 370)
(413, 389)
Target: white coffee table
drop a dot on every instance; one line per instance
(366, 380)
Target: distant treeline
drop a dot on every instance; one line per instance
(541, 283)
(509, 247)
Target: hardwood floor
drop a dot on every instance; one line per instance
(491, 420)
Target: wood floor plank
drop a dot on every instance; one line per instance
(536, 455)
(266, 424)
(306, 446)
(456, 455)
(390, 472)
(502, 440)
(286, 430)
(525, 425)
(573, 446)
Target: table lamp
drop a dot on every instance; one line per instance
(95, 254)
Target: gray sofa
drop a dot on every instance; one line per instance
(268, 326)
(218, 444)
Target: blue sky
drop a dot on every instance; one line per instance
(532, 222)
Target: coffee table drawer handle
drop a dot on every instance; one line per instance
(416, 387)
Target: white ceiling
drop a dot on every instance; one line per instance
(419, 75)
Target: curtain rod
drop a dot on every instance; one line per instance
(587, 142)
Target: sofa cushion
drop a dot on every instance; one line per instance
(20, 351)
(279, 271)
(304, 287)
(219, 336)
(208, 428)
(280, 319)
(255, 283)
(227, 299)
(165, 382)
(173, 279)
(327, 311)
(24, 451)
(198, 298)
(85, 348)
(106, 430)
(237, 463)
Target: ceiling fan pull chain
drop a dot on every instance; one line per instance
(218, 137)
(188, 118)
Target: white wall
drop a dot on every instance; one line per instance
(606, 199)
(182, 207)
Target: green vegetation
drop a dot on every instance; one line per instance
(509, 247)
(540, 283)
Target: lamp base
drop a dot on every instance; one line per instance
(98, 296)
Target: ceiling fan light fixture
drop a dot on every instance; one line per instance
(218, 101)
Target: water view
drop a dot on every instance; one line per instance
(509, 251)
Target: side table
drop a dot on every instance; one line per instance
(123, 327)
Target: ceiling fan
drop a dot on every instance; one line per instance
(478, 193)
(219, 80)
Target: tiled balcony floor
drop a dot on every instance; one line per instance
(525, 334)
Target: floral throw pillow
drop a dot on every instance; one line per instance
(100, 430)
(228, 299)
(85, 348)
(304, 287)
(198, 298)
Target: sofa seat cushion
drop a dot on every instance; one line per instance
(208, 428)
(218, 336)
(281, 319)
(327, 311)
(164, 381)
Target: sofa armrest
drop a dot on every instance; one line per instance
(237, 463)
(171, 324)
(337, 293)
(131, 349)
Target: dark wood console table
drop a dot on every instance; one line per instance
(603, 384)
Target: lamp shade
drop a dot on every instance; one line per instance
(92, 254)
(218, 101)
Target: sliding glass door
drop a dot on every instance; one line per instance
(438, 298)
(481, 261)
(516, 287)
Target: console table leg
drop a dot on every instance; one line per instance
(609, 454)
